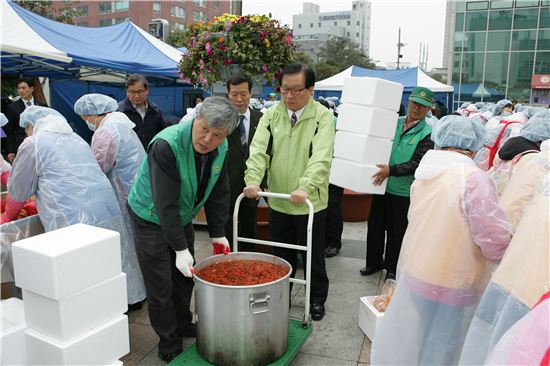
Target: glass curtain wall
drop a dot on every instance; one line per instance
(498, 46)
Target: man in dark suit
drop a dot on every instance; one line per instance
(239, 90)
(16, 134)
(144, 113)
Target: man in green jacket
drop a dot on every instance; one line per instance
(185, 168)
(388, 213)
(294, 142)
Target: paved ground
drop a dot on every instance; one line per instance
(335, 341)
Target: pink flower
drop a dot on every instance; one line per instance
(180, 75)
(228, 26)
(264, 68)
(263, 34)
(288, 39)
(208, 49)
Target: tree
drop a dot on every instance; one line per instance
(339, 53)
(302, 57)
(45, 8)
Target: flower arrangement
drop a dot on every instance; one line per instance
(256, 44)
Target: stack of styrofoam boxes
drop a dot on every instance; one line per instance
(368, 316)
(12, 336)
(366, 126)
(74, 296)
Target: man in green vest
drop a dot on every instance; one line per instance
(388, 215)
(185, 169)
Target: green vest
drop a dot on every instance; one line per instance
(179, 138)
(402, 151)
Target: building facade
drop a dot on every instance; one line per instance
(179, 14)
(312, 28)
(494, 48)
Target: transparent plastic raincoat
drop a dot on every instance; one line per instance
(517, 284)
(120, 153)
(456, 232)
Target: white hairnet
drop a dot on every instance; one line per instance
(458, 132)
(34, 113)
(464, 105)
(3, 120)
(52, 124)
(541, 113)
(97, 104)
(537, 129)
(500, 105)
(480, 105)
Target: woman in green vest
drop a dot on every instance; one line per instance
(184, 170)
(389, 212)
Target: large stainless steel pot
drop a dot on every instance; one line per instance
(242, 325)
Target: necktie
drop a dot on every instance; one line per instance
(29, 103)
(293, 119)
(242, 130)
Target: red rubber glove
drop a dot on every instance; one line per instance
(221, 246)
(12, 210)
(4, 178)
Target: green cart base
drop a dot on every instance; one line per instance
(297, 336)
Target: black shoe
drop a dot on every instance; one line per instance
(390, 276)
(367, 271)
(317, 311)
(331, 252)
(189, 331)
(167, 357)
(136, 306)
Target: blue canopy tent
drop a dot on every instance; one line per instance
(101, 58)
(409, 78)
(476, 92)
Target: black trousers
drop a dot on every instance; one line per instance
(292, 229)
(388, 213)
(335, 223)
(247, 223)
(168, 290)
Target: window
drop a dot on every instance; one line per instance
(524, 40)
(544, 40)
(459, 37)
(476, 21)
(526, 18)
(357, 34)
(460, 6)
(311, 25)
(500, 20)
(474, 42)
(319, 25)
(496, 69)
(103, 8)
(477, 5)
(544, 18)
(82, 11)
(196, 15)
(357, 23)
(105, 22)
(502, 4)
(336, 23)
(300, 26)
(157, 7)
(348, 35)
(177, 12)
(519, 79)
(527, 3)
(196, 2)
(459, 22)
(349, 22)
(472, 68)
(181, 13)
(542, 65)
(216, 5)
(122, 5)
(498, 41)
(121, 20)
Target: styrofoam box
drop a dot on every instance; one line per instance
(362, 149)
(373, 92)
(12, 338)
(369, 121)
(71, 316)
(110, 341)
(62, 262)
(368, 316)
(355, 176)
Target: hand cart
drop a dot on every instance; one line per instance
(298, 330)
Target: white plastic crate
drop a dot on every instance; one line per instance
(100, 346)
(368, 316)
(62, 262)
(12, 337)
(354, 176)
(362, 149)
(372, 92)
(369, 121)
(71, 316)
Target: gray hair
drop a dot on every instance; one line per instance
(137, 78)
(218, 113)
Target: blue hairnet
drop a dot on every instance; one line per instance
(34, 113)
(464, 105)
(3, 120)
(537, 129)
(480, 105)
(500, 105)
(458, 132)
(97, 104)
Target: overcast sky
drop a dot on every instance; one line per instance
(421, 21)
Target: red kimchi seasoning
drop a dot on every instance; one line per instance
(242, 272)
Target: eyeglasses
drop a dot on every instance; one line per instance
(136, 91)
(294, 91)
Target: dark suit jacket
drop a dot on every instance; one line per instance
(146, 128)
(15, 133)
